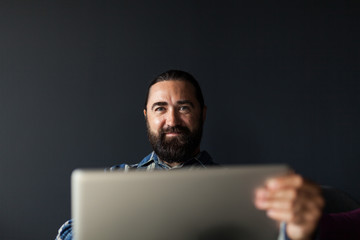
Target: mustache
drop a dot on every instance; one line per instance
(175, 129)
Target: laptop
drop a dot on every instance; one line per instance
(199, 204)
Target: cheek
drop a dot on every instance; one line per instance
(155, 123)
(191, 123)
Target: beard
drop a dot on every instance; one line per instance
(176, 149)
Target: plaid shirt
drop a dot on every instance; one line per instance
(150, 163)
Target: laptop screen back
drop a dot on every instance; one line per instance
(202, 204)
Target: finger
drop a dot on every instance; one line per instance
(280, 199)
(295, 185)
(291, 214)
(297, 212)
(286, 201)
(261, 193)
(281, 215)
(282, 194)
(261, 203)
(290, 180)
(280, 205)
(296, 201)
(305, 194)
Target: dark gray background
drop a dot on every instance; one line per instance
(281, 81)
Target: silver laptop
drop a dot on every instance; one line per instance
(201, 204)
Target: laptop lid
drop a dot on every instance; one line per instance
(201, 204)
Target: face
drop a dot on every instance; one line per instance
(174, 120)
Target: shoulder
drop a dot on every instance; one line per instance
(65, 231)
(206, 159)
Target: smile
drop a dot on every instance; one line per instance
(170, 134)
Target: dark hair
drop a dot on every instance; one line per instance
(179, 76)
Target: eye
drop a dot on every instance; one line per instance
(184, 108)
(159, 109)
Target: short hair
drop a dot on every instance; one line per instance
(178, 75)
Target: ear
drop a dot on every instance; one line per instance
(204, 113)
(145, 113)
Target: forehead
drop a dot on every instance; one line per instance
(171, 90)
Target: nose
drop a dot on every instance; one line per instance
(172, 118)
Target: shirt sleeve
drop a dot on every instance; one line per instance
(65, 231)
(282, 232)
(283, 235)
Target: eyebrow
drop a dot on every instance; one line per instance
(180, 102)
(158, 104)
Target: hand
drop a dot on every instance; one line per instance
(293, 200)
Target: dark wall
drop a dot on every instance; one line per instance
(281, 82)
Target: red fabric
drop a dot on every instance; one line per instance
(340, 226)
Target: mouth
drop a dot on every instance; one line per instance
(173, 134)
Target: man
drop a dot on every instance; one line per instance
(175, 113)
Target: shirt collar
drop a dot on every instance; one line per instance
(153, 158)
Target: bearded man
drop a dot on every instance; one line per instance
(175, 113)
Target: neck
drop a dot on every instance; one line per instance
(174, 164)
